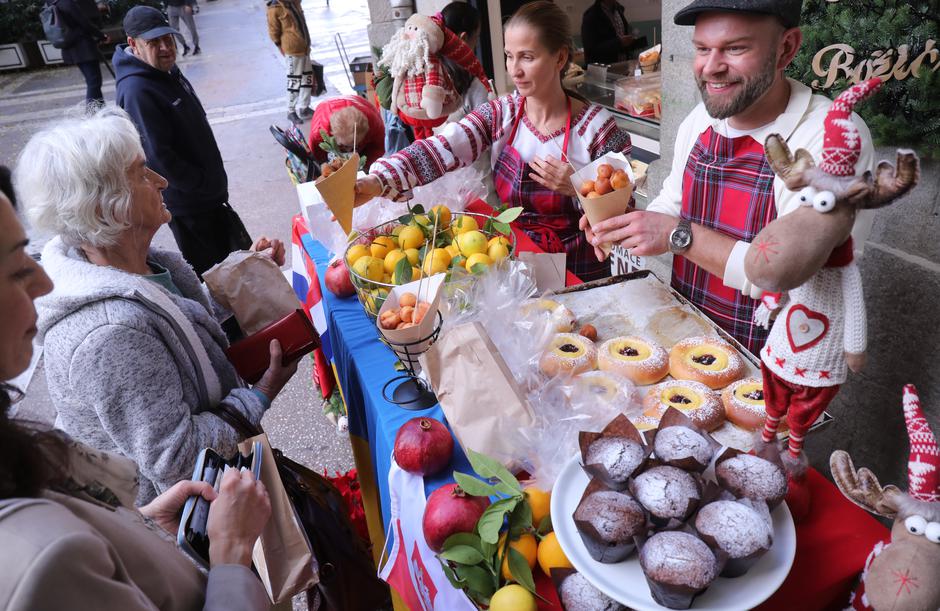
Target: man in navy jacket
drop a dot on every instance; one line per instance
(177, 140)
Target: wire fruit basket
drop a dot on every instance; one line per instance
(400, 251)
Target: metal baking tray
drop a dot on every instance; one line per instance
(641, 303)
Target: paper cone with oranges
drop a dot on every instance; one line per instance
(604, 188)
(338, 190)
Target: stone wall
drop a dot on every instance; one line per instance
(901, 274)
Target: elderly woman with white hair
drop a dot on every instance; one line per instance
(133, 353)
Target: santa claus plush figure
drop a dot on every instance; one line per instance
(423, 94)
(904, 573)
(804, 260)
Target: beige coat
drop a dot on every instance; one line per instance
(287, 27)
(63, 552)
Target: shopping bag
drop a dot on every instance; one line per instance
(283, 555)
(477, 392)
(251, 286)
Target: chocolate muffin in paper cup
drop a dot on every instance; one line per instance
(669, 494)
(742, 529)
(608, 520)
(615, 454)
(678, 442)
(678, 567)
(576, 593)
(751, 477)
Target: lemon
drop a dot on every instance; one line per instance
(397, 230)
(411, 237)
(386, 278)
(413, 255)
(497, 251)
(551, 556)
(478, 258)
(356, 252)
(381, 245)
(513, 598)
(463, 224)
(392, 259)
(422, 219)
(471, 243)
(415, 274)
(436, 262)
(500, 239)
(452, 249)
(375, 300)
(539, 502)
(443, 215)
(369, 268)
(525, 545)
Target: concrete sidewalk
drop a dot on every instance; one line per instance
(241, 79)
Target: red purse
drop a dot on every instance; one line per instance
(251, 356)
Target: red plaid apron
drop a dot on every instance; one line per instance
(728, 187)
(549, 218)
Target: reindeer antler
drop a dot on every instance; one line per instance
(890, 183)
(791, 169)
(861, 486)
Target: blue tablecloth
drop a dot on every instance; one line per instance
(363, 366)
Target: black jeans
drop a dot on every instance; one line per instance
(206, 238)
(92, 73)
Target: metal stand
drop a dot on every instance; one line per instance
(413, 393)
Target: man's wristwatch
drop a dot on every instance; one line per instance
(680, 239)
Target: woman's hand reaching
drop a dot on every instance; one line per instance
(272, 248)
(165, 510)
(367, 188)
(236, 517)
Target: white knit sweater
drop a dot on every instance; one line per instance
(823, 319)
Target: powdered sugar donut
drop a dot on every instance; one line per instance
(696, 400)
(635, 358)
(744, 404)
(568, 354)
(710, 361)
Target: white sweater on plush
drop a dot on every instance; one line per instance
(822, 319)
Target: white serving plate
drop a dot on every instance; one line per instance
(625, 582)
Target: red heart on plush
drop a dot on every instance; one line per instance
(805, 328)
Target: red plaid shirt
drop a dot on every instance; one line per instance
(412, 87)
(728, 187)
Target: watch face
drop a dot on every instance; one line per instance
(681, 238)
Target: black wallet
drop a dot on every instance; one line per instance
(193, 537)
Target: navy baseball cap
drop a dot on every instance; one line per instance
(147, 22)
(788, 11)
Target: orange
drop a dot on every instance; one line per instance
(540, 502)
(551, 556)
(525, 545)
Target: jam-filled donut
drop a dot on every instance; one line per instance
(635, 358)
(568, 354)
(710, 361)
(562, 318)
(744, 404)
(697, 401)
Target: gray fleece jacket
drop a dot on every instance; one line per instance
(121, 374)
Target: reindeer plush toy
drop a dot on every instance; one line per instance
(820, 327)
(904, 574)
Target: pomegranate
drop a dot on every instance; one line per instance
(450, 510)
(337, 279)
(423, 446)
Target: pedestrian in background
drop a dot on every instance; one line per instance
(287, 27)
(177, 139)
(176, 9)
(80, 17)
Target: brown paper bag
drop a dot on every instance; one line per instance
(282, 555)
(253, 288)
(609, 205)
(483, 404)
(339, 192)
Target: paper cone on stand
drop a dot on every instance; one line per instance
(410, 342)
(609, 205)
(339, 192)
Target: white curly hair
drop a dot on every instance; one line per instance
(72, 177)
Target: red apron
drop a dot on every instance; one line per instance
(728, 186)
(548, 217)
